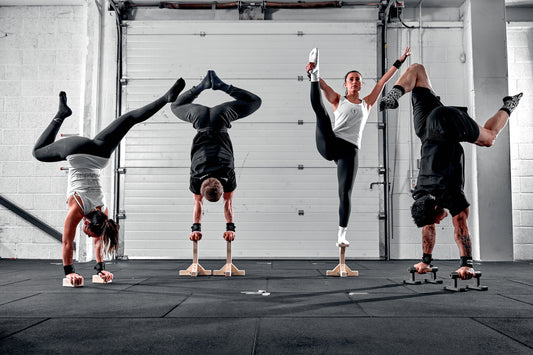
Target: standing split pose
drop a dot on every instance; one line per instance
(212, 163)
(85, 196)
(441, 177)
(341, 143)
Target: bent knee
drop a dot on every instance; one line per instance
(416, 66)
(486, 138)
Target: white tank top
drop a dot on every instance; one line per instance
(84, 180)
(350, 121)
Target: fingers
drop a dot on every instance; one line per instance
(229, 236)
(195, 236)
(75, 279)
(106, 275)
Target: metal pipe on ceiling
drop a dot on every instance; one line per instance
(237, 4)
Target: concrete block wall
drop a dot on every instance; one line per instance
(41, 53)
(520, 56)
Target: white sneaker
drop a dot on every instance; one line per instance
(342, 242)
(341, 239)
(313, 58)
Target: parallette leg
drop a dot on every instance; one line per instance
(195, 269)
(229, 269)
(342, 269)
(455, 279)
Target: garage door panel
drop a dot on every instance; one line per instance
(280, 210)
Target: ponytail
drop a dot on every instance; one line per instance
(110, 236)
(105, 228)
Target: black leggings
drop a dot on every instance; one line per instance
(219, 116)
(333, 148)
(104, 143)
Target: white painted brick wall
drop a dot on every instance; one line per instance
(520, 54)
(41, 55)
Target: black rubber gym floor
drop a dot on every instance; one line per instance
(279, 307)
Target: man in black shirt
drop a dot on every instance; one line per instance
(212, 165)
(441, 177)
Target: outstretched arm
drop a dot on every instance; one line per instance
(196, 235)
(428, 243)
(229, 235)
(376, 92)
(329, 93)
(72, 220)
(99, 256)
(462, 238)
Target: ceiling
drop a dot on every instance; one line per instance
(409, 3)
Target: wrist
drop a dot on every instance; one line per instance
(427, 258)
(230, 227)
(466, 261)
(69, 269)
(398, 63)
(196, 227)
(99, 267)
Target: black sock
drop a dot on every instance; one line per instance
(399, 88)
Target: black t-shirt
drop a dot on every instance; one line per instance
(442, 175)
(212, 156)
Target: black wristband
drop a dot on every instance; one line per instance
(466, 261)
(427, 258)
(69, 269)
(230, 227)
(196, 227)
(398, 64)
(99, 267)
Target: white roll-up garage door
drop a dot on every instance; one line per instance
(286, 201)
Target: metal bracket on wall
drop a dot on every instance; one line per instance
(382, 216)
(381, 171)
(300, 122)
(121, 214)
(124, 81)
(300, 33)
(300, 167)
(120, 171)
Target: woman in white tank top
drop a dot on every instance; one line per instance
(342, 142)
(85, 197)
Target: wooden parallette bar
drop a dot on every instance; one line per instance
(229, 269)
(342, 269)
(195, 269)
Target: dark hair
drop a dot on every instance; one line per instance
(423, 210)
(346, 76)
(106, 228)
(351, 71)
(211, 189)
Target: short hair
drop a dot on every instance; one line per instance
(211, 189)
(423, 210)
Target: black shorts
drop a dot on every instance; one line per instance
(433, 120)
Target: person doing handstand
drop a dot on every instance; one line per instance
(212, 173)
(85, 196)
(441, 178)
